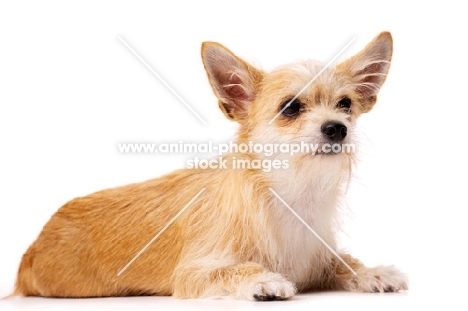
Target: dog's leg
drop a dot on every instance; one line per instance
(244, 280)
(376, 279)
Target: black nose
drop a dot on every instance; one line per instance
(334, 131)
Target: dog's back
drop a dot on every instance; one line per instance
(90, 239)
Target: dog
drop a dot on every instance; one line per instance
(237, 235)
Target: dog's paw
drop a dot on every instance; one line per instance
(379, 279)
(266, 287)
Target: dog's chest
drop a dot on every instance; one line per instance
(296, 251)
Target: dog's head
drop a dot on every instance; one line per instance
(300, 102)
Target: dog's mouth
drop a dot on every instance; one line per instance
(333, 148)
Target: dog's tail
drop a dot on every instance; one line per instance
(24, 280)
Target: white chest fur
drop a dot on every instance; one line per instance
(313, 194)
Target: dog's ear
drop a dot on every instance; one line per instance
(368, 69)
(233, 80)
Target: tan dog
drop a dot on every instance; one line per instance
(237, 237)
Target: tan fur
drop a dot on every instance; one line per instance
(236, 238)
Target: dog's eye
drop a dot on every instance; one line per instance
(345, 104)
(295, 107)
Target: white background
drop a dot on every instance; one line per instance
(70, 91)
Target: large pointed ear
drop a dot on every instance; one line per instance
(368, 69)
(233, 80)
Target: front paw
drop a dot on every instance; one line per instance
(379, 279)
(265, 287)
